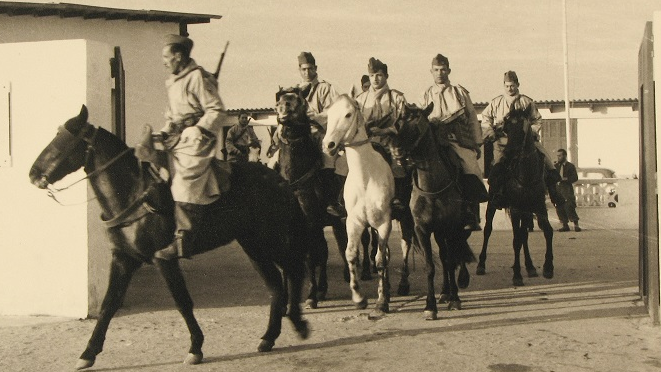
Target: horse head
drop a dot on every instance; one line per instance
(516, 126)
(65, 154)
(346, 125)
(412, 126)
(291, 106)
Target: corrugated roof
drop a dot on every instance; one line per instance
(67, 10)
(626, 101)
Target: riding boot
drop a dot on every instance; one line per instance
(187, 217)
(473, 192)
(551, 179)
(331, 193)
(397, 203)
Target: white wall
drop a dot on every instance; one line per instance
(44, 268)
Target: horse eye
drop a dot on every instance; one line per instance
(348, 115)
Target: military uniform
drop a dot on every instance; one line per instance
(239, 139)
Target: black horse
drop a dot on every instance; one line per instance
(299, 163)
(436, 205)
(525, 192)
(138, 210)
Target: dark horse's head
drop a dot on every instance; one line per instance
(65, 154)
(412, 126)
(516, 124)
(291, 106)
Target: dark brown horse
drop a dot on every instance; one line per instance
(299, 163)
(525, 192)
(138, 210)
(436, 205)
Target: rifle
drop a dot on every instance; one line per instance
(220, 62)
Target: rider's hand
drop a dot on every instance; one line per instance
(478, 152)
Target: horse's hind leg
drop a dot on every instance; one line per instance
(122, 269)
(530, 266)
(340, 233)
(354, 231)
(273, 280)
(382, 260)
(517, 242)
(488, 228)
(406, 227)
(174, 279)
(544, 224)
(365, 273)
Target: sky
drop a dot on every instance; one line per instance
(482, 40)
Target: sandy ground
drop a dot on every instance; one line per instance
(589, 317)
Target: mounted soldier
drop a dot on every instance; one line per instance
(241, 138)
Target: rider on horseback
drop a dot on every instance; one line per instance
(380, 106)
(453, 113)
(493, 116)
(189, 136)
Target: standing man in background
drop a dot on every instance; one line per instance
(192, 124)
(567, 210)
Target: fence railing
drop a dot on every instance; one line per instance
(596, 192)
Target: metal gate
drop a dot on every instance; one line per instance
(648, 240)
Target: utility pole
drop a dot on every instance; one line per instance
(570, 145)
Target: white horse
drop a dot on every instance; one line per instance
(368, 192)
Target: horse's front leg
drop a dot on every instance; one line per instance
(530, 266)
(406, 228)
(548, 236)
(354, 231)
(382, 261)
(424, 239)
(488, 228)
(122, 268)
(318, 258)
(274, 282)
(174, 279)
(517, 242)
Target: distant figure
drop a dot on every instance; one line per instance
(567, 210)
(241, 138)
(365, 83)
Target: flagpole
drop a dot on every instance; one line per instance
(568, 129)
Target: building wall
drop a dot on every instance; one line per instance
(44, 269)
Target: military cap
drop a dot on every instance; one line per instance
(510, 76)
(374, 65)
(179, 40)
(306, 57)
(440, 60)
(364, 79)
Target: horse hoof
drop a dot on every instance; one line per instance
(517, 282)
(403, 289)
(193, 359)
(84, 363)
(383, 307)
(548, 274)
(454, 305)
(321, 295)
(362, 305)
(376, 314)
(310, 304)
(480, 270)
(464, 280)
(431, 315)
(444, 299)
(532, 273)
(265, 346)
(302, 329)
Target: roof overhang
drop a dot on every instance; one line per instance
(66, 10)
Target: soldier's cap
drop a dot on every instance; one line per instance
(173, 39)
(510, 77)
(306, 57)
(374, 66)
(364, 79)
(440, 60)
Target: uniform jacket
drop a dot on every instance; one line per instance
(321, 97)
(493, 114)
(375, 105)
(566, 188)
(238, 140)
(448, 99)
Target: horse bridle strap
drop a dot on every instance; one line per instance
(431, 193)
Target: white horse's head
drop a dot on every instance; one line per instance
(346, 125)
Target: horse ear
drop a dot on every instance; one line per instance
(305, 91)
(428, 109)
(83, 115)
(278, 94)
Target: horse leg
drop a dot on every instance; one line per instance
(424, 239)
(530, 266)
(544, 224)
(318, 258)
(464, 278)
(122, 268)
(375, 247)
(174, 279)
(295, 275)
(354, 231)
(365, 273)
(488, 228)
(340, 233)
(517, 242)
(406, 229)
(382, 260)
(273, 280)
